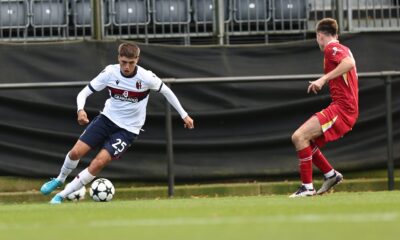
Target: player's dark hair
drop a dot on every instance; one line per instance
(129, 50)
(328, 26)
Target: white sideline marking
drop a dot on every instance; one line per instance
(342, 218)
(347, 218)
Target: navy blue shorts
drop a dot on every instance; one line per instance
(103, 132)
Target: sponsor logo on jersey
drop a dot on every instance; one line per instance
(129, 96)
(128, 99)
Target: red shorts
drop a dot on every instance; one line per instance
(334, 123)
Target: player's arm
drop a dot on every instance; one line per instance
(80, 101)
(173, 100)
(97, 84)
(344, 66)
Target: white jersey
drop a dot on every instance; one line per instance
(126, 106)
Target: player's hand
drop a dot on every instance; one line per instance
(82, 117)
(315, 86)
(188, 122)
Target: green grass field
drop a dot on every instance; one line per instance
(363, 215)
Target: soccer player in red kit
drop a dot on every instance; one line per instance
(337, 119)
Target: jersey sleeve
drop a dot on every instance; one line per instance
(100, 81)
(336, 53)
(154, 82)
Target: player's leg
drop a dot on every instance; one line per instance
(93, 136)
(331, 176)
(113, 148)
(333, 127)
(301, 139)
(84, 177)
(79, 150)
(71, 161)
(320, 161)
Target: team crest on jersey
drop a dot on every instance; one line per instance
(117, 81)
(139, 84)
(125, 94)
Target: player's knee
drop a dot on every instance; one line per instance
(74, 154)
(296, 137)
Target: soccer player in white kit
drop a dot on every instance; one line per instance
(115, 128)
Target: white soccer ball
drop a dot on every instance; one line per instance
(102, 190)
(77, 195)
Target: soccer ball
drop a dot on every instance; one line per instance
(77, 195)
(102, 190)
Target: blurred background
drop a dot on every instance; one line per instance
(239, 67)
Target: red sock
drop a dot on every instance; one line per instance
(305, 164)
(319, 160)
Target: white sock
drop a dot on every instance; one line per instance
(309, 186)
(330, 173)
(68, 166)
(79, 181)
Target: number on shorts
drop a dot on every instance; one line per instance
(119, 145)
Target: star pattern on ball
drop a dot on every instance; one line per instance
(102, 190)
(95, 191)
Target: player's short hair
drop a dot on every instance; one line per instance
(129, 50)
(328, 26)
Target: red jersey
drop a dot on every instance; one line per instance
(343, 89)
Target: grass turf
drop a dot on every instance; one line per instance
(362, 215)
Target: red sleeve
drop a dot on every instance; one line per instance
(335, 53)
